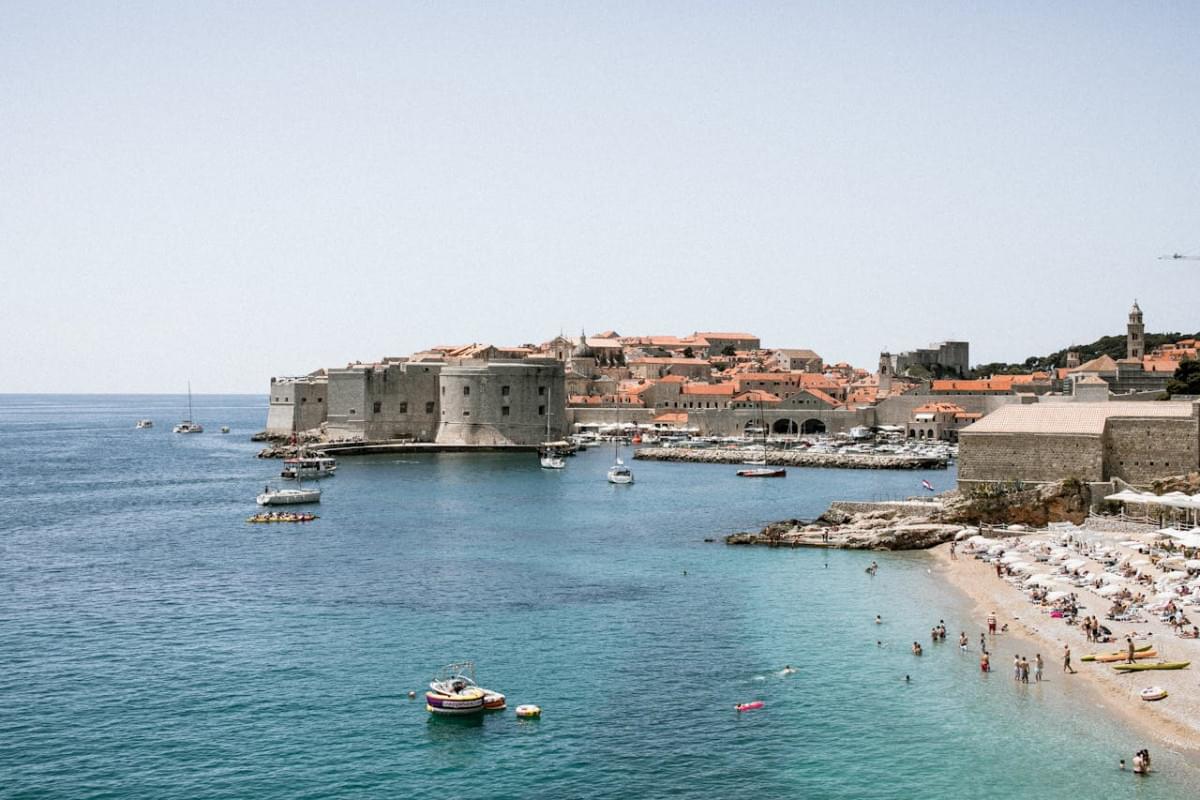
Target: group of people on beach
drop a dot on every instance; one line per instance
(1141, 762)
(1021, 668)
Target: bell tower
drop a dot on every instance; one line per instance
(885, 374)
(1135, 334)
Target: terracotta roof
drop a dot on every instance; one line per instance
(583, 400)
(800, 353)
(723, 335)
(756, 396)
(817, 393)
(714, 389)
(1091, 380)
(1101, 364)
(673, 379)
(682, 362)
(988, 385)
(939, 408)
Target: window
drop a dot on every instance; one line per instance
(443, 391)
(377, 406)
(320, 399)
(504, 411)
(466, 413)
(466, 391)
(429, 407)
(541, 411)
(504, 391)
(541, 391)
(404, 407)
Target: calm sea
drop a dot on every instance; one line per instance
(153, 644)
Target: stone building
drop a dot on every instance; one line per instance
(1137, 442)
(941, 358)
(390, 400)
(501, 403)
(297, 404)
(801, 360)
(939, 422)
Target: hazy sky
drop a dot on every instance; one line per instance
(227, 191)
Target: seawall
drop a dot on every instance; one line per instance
(790, 458)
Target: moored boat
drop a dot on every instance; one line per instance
(454, 691)
(187, 426)
(763, 472)
(281, 516)
(1122, 654)
(308, 467)
(144, 423)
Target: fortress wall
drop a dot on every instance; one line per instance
(898, 410)
(1140, 451)
(1035, 458)
(501, 403)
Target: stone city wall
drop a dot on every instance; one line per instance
(1139, 451)
(993, 457)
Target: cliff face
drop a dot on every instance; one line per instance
(1064, 501)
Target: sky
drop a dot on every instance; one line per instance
(222, 192)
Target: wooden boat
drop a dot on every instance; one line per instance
(1110, 658)
(1159, 665)
(1122, 653)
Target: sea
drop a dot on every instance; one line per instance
(153, 644)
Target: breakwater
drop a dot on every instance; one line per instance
(792, 458)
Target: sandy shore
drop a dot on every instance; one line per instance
(1174, 722)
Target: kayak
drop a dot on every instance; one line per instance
(1160, 665)
(1109, 658)
(1095, 656)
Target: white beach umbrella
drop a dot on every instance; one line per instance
(1109, 590)
(1041, 580)
(1130, 543)
(1074, 564)
(1052, 596)
(1178, 576)
(996, 549)
(1171, 561)
(1192, 563)
(1140, 562)
(1019, 566)
(1165, 596)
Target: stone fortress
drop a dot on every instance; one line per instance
(476, 401)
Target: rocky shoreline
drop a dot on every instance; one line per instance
(791, 458)
(914, 525)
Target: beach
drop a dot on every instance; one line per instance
(1173, 722)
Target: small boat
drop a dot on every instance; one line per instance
(549, 456)
(224, 429)
(619, 473)
(1153, 693)
(762, 472)
(529, 711)
(494, 701)
(280, 516)
(1159, 665)
(144, 423)
(1123, 654)
(287, 497)
(187, 426)
(1109, 658)
(454, 691)
(753, 705)
(308, 467)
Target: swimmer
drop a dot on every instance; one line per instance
(878, 620)
(907, 679)
(878, 643)
(788, 670)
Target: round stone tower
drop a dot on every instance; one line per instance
(501, 403)
(1135, 334)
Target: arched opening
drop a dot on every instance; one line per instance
(912, 433)
(812, 426)
(785, 427)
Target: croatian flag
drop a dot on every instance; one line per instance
(927, 485)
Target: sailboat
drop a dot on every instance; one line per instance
(288, 497)
(759, 463)
(618, 472)
(548, 454)
(187, 426)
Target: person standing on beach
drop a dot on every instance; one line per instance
(1016, 668)
(1024, 670)
(962, 641)
(984, 662)
(1067, 659)
(1130, 649)
(1037, 668)
(991, 623)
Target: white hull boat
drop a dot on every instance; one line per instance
(288, 497)
(619, 473)
(309, 467)
(144, 423)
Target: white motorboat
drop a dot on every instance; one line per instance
(454, 691)
(187, 426)
(144, 423)
(287, 497)
(308, 467)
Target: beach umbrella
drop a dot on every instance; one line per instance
(1140, 562)
(1109, 590)
(996, 549)
(1192, 563)
(1052, 596)
(1165, 596)
(1074, 563)
(1019, 566)
(1178, 576)
(1041, 580)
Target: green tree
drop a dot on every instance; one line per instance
(688, 352)
(1186, 380)
(729, 350)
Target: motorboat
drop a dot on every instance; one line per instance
(144, 423)
(187, 426)
(763, 472)
(308, 467)
(287, 497)
(619, 473)
(454, 692)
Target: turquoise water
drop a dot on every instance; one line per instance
(156, 645)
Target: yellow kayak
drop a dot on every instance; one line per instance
(1122, 653)
(1109, 658)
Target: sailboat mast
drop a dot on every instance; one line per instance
(189, 400)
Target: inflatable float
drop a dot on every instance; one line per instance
(1154, 693)
(529, 711)
(751, 706)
